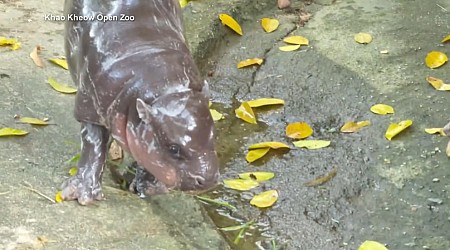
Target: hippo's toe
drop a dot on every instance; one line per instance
(84, 190)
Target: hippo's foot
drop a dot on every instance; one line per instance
(83, 189)
(145, 184)
(85, 185)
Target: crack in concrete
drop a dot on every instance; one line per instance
(265, 57)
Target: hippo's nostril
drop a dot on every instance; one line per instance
(199, 181)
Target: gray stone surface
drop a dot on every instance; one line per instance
(382, 187)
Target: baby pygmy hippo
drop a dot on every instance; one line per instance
(137, 83)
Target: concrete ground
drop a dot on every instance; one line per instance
(395, 192)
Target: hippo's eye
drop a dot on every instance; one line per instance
(175, 150)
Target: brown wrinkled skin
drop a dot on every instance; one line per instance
(138, 83)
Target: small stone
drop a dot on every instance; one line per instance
(435, 201)
(410, 244)
(246, 195)
(435, 179)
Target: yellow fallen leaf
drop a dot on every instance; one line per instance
(432, 131)
(58, 197)
(12, 132)
(229, 21)
(446, 39)
(249, 62)
(61, 87)
(350, 127)
(15, 46)
(73, 171)
(395, 128)
(183, 3)
(298, 40)
(363, 38)
(35, 56)
(298, 130)
(288, 48)
(265, 199)
(372, 245)
(60, 62)
(33, 121)
(269, 24)
(7, 41)
(312, 144)
(265, 101)
(216, 115)
(322, 179)
(268, 144)
(240, 184)
(435, 59)
(245, 112)
(438, 84)
(209, 104)
(256, 154)
(382, 109)
(257, 176)
(13, 43)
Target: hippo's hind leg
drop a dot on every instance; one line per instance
(145, 184)
(85, 186)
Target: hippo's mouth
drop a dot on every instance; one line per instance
(165, 174)
(150, 162)
(146, 184)
(172, 176)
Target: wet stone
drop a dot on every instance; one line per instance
(434, 201)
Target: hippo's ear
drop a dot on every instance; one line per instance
(143, 110)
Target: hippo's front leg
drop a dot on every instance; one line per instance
(86, 184)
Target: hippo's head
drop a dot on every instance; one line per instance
(174, 140)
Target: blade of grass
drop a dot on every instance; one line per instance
(242, 231)
(219, 203)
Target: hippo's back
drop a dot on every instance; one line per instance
(109, 44)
